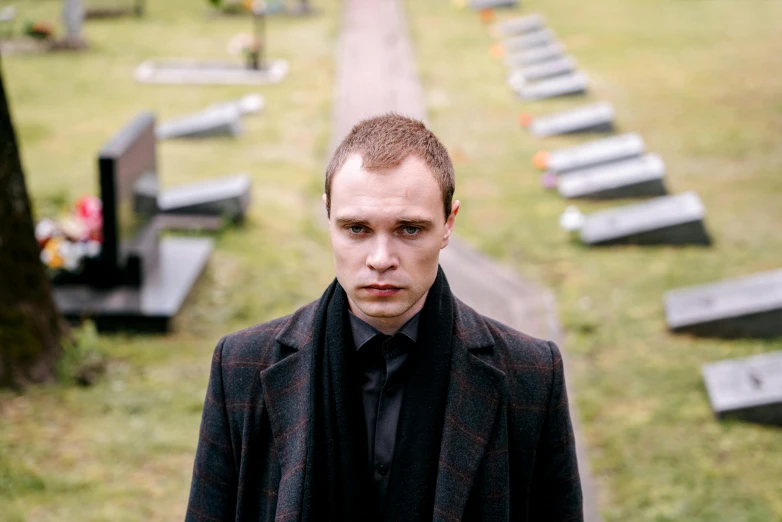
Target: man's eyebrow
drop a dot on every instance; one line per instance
(353, 220)
(413, 220)
(403, 221)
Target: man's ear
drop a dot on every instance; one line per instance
(450, 222)
(325, 199)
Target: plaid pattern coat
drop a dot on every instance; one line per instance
(507, 450)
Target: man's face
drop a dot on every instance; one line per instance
(387, 228)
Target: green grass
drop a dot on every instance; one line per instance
(123, 449)
(698, 80)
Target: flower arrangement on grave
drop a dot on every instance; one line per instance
(66, 243)
(39, 30)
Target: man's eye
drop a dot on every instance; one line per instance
(356, 229)
(411, 231)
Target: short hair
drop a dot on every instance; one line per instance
(388, 140)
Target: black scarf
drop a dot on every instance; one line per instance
(336, 484)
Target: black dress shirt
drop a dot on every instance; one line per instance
(382, 361)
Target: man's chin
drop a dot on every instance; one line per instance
(383, 310)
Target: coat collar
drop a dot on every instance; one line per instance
(475, 392)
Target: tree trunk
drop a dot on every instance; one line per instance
(30, 327)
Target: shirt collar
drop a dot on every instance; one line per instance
(363, 332)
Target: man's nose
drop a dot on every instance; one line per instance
(381, 256)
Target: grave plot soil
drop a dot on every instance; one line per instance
(123, 449)
(696, 80)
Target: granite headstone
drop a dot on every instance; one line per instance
(675, 220)
(597, 117)
(536, 55)
(521, 25)
(749, 306)
(523, 42)
(748, 389)
(541, 71)
(638, 177)
(597, 152)
(221, 121)
(568, 85)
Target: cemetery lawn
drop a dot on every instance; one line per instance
(123, 449)
(699, 81)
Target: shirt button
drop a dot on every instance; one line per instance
(383, 470)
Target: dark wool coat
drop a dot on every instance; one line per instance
(507, 452)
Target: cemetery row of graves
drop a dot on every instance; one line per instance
(187, 168)
(619, 167)
(670, 311)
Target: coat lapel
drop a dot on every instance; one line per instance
(474, 394)
(287, 393)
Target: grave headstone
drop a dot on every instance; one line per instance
(597, 152)
(220, 121)
(524, 24)
(639, 177)
(527, 41)
(598, 117)
(250, 104)
(228, 197)
(193, 72)
(541, 71)
(674, 220)
(749, 306)
(568, 85)
(492, 4)
(748, 389)
(138, 280)
(100, 9)
(537, 55)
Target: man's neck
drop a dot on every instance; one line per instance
(388, 325)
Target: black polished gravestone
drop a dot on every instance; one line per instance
(521, 25)
(748, 389)
(139, 281)
(573, 84)
(541, 71)
(492, 4)
(537, 55)
(749, 306)
(597, 117)
(633, 178)
(593, 153)
(524, 42)
(672, 220)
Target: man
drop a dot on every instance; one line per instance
(387, 398)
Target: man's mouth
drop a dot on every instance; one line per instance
(382, 290)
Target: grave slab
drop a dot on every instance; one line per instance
(104, 9)
(640, 177)
(149, 306)
(748, 389)
(597, 117)
(228, 197)
(565, 65)
(673, 220)
(749, 306)
(537, 55)
(597, 152)
(221, 121)
(250, 104)
(492, 4)
(521, 25)
(193, 72)
(524, 42)
(573, 84)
